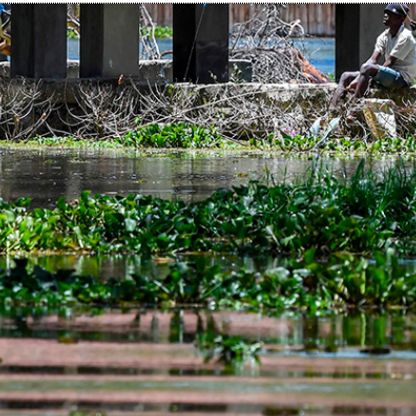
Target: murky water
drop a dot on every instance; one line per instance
(149, 362)
(45, 175)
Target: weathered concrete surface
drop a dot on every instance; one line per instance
(155, 72)
(200, 54)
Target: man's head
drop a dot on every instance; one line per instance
(399, 9)
(395, 14)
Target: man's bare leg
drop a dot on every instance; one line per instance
(367, 72)
(347, 78)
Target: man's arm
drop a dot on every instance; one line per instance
(374, 58)
(390, 61)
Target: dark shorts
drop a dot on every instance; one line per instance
(390, 78)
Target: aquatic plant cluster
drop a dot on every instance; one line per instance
(338, 240)
(329, 214)
(183, 135)
(191, 136)
(177, 135)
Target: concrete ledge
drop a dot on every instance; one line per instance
(155, 72)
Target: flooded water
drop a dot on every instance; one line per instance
(153, 362)
(150, 362)
(45, 175)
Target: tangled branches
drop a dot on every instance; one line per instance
(24, 110)
(98, 110)
(87, 110)
(265, 41)
(237, 111)
(103, 110)
(149, 48)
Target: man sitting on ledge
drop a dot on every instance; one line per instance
(398, 47)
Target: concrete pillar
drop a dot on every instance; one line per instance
(200, 43)
(357, 27)
(39, 40)
(109, 40)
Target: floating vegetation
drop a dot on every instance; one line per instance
(183, 135)
(360, 215)
(178, 135)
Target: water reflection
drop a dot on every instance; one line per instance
(148, 361)
(46, 175)
(343, 335)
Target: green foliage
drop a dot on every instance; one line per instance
(228, 349)
(160, 32)
(178, 135)
(190, 136)
(360, 215)
(338, 145)
(71, 34)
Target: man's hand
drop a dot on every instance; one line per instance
(353, 84)
(389, 61)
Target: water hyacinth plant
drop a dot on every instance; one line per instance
(329, 214)
(178, 135)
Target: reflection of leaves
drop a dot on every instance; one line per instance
(341, 282)
(227, 349)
